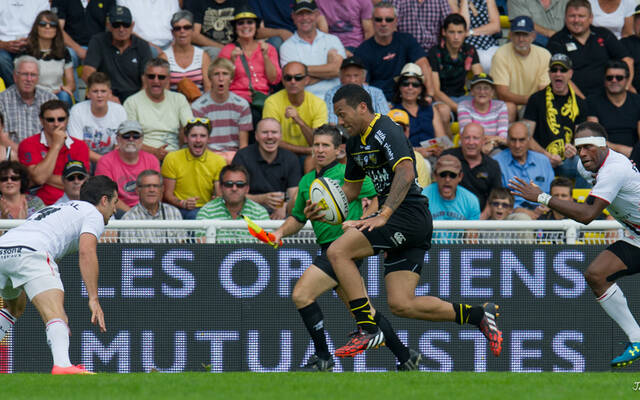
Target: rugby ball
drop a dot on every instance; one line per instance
(330, 198)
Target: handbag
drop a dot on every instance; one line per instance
(257, 98)
(189, 89)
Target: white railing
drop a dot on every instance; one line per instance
(450, 232)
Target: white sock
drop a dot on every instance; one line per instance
(6, 322)
(615, 305)
(58, 341)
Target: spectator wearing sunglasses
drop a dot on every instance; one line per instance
(46, 153)
(191, 174)
(125, 162)
(297, 110)
(447, 199)
(118, 53)
(150, 188)
(162, 113)
(15, 202)
(73, 176)
(617, 109)
(233, 202)
(552, 115)
(500, 204)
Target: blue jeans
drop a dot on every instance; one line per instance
(276, 41)
(64, 96)
(189, 214)
(76, 63)
(6, 67)
(541, 40)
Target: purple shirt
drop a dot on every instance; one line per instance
(422, 19)
(345, 17)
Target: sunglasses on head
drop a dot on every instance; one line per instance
(76, 177)
(206, 122)
(499, 204)
(386, 19)
(230, 184)
(297, 77)
(616, 77)
(412, 84)
(14, 178)
(154, 76)
(558, 69)
(129, 135)
(182, 28)
(118, 25)
(50, 24)
(52, 119)
(447, 174)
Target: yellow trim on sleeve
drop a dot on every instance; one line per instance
(363, 137)
(349, 180)
(403, 158)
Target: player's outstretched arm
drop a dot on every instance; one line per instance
(87, 253)
(580, 212)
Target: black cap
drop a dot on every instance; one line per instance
(352, 61)
(119, 14)
(561, 59)
(308, 5)
(245, 12)
(73, 168)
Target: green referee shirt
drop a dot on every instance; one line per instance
(326, 233)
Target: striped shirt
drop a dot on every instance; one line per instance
(216, 209)
(227, 120)
(166, 212)
(495, 121)
(22, 120)
(193, 72)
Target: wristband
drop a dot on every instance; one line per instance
(544, 198)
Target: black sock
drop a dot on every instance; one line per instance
(362, 311)
(313, 320)
(391, 339)
(466, 314)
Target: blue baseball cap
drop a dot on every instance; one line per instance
(522, 23)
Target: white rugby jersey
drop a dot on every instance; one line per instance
(57, 228)
(618, 183)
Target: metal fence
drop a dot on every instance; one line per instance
(445, 232)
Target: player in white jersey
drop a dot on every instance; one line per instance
(27, 266)
(617, 188)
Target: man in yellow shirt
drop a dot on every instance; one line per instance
(191, 174)
(299, 112)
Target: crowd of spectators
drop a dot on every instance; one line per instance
(207, 108)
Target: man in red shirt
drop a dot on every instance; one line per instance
(46, 153)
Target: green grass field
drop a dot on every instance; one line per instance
(284, 386)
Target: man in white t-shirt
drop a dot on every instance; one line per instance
(96, 120)
(27, 266)
(16, 20)
(616, 187)
(162, 114)
(152, 20)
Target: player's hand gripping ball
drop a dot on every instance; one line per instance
(330, 198)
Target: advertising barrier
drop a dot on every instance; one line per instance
(191, 307)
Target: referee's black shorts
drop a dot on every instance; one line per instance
(322, 261)
(405, 237)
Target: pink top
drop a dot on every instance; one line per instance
(240, 83)
(125, 175)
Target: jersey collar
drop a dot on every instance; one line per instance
(325, 169)
(363, 137)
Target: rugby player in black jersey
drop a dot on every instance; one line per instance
(401, 228)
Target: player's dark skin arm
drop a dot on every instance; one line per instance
(580, 212)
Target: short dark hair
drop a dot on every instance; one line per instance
(98, 78)
(594, 127)
(455, 19)
(96, 187)
(329, 130)
(578, 4)
(54, 104)
(19, 169)
(617, 64)
(353, 95)
(561, 181)
(501, 193)
(235, 168)
(157, 62)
